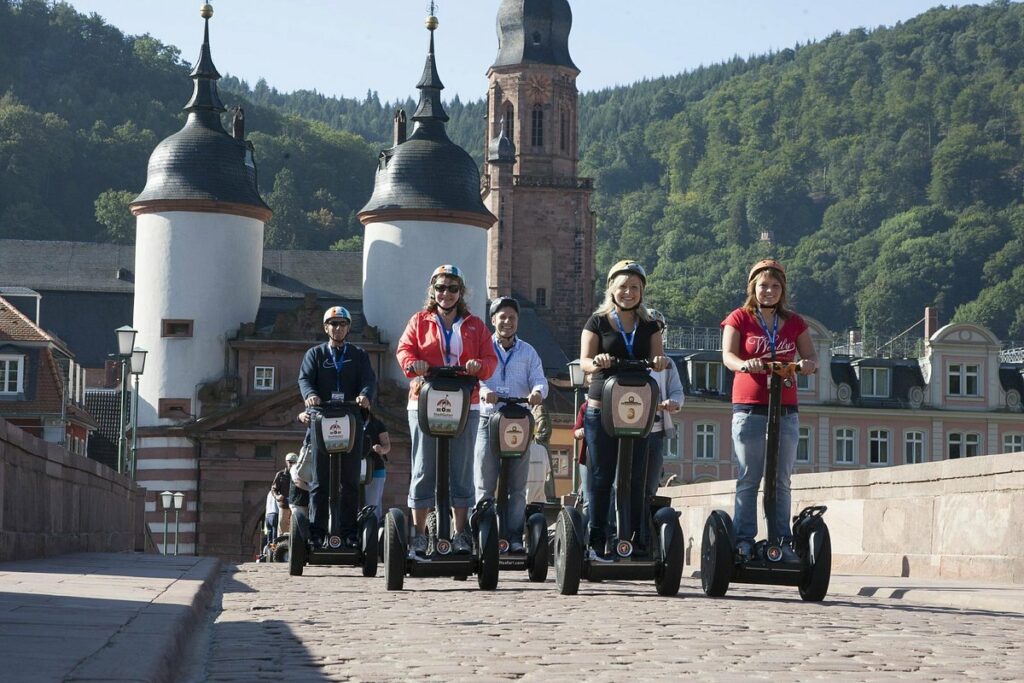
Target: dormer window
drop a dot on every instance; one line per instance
(962, 379)
(874, 382)
(12, 375)
(706, 376)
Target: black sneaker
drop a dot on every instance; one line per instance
(350, 542)
(462, 544)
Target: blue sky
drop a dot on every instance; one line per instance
(346, 47)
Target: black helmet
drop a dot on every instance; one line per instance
(503, 302)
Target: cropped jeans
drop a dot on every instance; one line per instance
(748, 442)
(424, 465)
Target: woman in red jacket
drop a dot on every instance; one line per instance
(444, 333)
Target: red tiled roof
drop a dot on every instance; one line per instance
(14, 326)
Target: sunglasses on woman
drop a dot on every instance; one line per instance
(452, 289)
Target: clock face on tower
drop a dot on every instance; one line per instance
(537, 87)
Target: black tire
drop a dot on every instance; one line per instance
(281, 549)
(568, 555)
(369, 545)
(537, 565)
(394, 552)
(667, 581)
(297, 547)
(487, 541)
(815, 580)
(716, 558)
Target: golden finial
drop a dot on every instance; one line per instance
(206, 11)
(431, 22)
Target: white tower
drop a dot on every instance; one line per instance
(198, 263)
(198, 251)
(425, 211)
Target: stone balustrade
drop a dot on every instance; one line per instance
(955, 519)
(53, 501)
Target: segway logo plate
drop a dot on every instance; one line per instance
(503, 546)
(444, 411)
(515, 438)
(624, 548)
(334, 542)
(337, 433)
(773, 553)
(444, 547)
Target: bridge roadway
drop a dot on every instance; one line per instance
(134, 617)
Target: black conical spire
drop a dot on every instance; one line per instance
(430, 85)
(205, 74)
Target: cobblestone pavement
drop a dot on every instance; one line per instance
(334, 625)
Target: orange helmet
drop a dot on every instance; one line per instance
(767, 264)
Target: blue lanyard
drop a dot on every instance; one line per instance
(498, 350)
(338, 362)
(447, 338)
(772, 336)
(627, 339)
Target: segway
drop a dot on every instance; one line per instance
(337, 430)
(511, 433)
(629, 401)
(721, 564)
(443, 410)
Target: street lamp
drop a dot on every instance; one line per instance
(578, 380)
(179, 499)
(125, 343)
(165, 498)
(138, 365)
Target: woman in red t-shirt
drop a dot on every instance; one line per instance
(764, 329)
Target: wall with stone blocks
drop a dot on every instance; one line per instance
(949, 519)
(53, 501)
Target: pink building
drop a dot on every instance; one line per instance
(960, 398)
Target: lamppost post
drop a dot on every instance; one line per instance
(138, 365)
(576, 378)
(179, 499)
(166, 498)
(125, 344)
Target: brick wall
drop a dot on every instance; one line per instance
(53, 501)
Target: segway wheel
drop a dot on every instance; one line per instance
(568, 555)
(281, 549)
(537, 552)
(487, 541)
(369, 543)
(297, 547)
(394, 550)
(814, 582)
(671, 570)
(716, 556)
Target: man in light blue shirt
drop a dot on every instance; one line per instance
(519, 373)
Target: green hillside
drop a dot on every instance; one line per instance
(883, 166)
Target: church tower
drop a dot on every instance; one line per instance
(542, 248)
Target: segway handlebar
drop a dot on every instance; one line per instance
(319, 408)
(513, 399)
(632, 364)
(779, 367)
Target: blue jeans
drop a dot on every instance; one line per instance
(374, 492)
(655, 460)
(602, 458)
(748, 442)
(485, 476)
(271, 527)
(424, 465)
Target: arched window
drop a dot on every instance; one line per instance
(564, 143)
(510, 121)
(537, 126)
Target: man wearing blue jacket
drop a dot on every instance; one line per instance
(336, 371)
